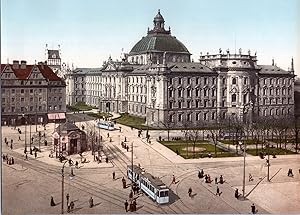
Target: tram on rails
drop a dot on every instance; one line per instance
(108, 125)
(149, 184)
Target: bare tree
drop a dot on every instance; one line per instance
(194, 136)
(168, 125)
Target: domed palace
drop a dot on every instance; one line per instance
(157, 80)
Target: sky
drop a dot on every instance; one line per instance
(89, 31)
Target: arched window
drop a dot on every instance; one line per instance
(234, 81)
(233, 98)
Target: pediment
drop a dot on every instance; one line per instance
(234, 90)
(109, 67)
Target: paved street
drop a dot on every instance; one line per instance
(28, 185)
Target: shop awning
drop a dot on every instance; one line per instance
(57, 116)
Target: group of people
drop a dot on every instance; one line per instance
(9, 160)
(7, 143)
(125, 146)
(132, 206)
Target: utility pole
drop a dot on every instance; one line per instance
(132, 162)
(244, 170)
(268, 161)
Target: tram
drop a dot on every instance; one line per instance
(108, 125)
(150, 185)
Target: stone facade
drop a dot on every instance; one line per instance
(156, 80)
(29, 93)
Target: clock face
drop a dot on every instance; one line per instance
(54, 56)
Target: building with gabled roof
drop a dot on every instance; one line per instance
(30, 93)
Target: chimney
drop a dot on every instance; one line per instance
(15, 64)
(41, 64)
(23, 64)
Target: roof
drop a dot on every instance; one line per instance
(83, 71)
(190, 67)
(158, 43)
(155, 181)
(53, 54)
(67, 126)
(175, 68)
(270, 69)
(23, 74)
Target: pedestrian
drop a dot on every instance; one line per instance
(218, 191)
(68, 198)
(127, 148)
(216, 180)
(11, 141)
(236, 193)
(11, 146)
(3, 157)
(91, 201)
(5, 139)
(19, 137)
(72, 205)
(190, 192)
(107, 135)
(126, 206)
(131, 207)
(125, 139)
(253, 209)
(124, 182)
(35, 154)
(52, 203)
(114, 175)
(134, 205)
(45, 142)
(12, 161)
(110, 140)
(130, 195)
(76, 164)
(221, 179)
(250, 177)
(173, 180)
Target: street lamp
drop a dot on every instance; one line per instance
(244, 170)
(25, 150)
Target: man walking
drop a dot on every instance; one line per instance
(126, 206)
(218, 191)
(236, 193)
(91, 201)
(190, 192)
(114, 175)
(253, 209)
(68, 197)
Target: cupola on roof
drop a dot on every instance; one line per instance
(158, 40)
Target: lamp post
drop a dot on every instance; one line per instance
(268, 161)
(244, 170)
(25, 150)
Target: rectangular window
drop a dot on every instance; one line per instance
(188, 104)
(179, 117)
(13, 91)
(22, 90)
(179, 80)
(179, 93)
(188, 92)
(197, 104)
(205, 92)
(245, 80)
(170, 105)
(205, 116)
(189, 80)
(197, 80)
(179, 105)
(205, 81)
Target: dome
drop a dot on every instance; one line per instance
(159, 43)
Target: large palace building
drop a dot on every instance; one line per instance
(157, 80)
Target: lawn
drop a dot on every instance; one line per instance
(206, 148)
(132, 121)
(100, 115)
(248, 142)
(276, 151)
(80, 106)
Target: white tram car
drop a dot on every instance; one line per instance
(149, 184)
(108, 125)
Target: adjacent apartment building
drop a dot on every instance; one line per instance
(31, 94)
(157, 80)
